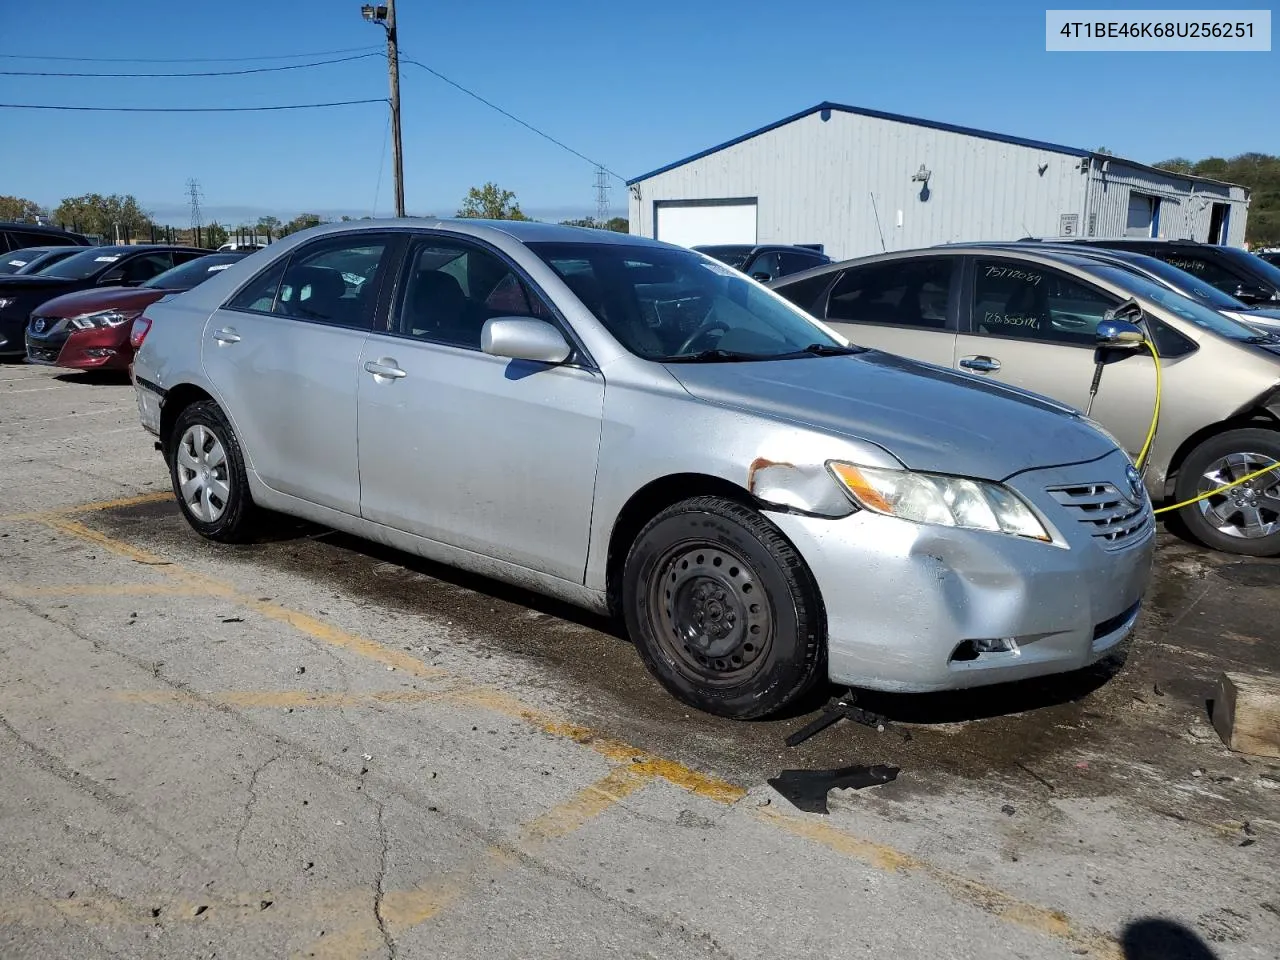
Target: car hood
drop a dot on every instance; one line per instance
(100, 298)
(930, 418)
(33, 282)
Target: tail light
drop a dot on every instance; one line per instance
(138, 332)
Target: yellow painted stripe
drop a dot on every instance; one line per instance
(1005, 906)
(157, 497)
(587, 804)
(277, 698)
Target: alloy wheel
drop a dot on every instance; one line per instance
(1250, 511)
(202, 473)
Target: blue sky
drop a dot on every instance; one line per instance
(632, 85)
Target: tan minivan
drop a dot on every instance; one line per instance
(1030, 319)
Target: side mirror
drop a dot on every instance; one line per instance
(523, 338)
(112, 278)
(1120, 333)
(761, 276)
(1251, 294)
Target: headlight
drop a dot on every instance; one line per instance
(104, 318)
(945, 501)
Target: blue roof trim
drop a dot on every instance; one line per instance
(879, 115)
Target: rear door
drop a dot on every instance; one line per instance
(284, 357)
(905, 306)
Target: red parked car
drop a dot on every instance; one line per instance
(89, 330)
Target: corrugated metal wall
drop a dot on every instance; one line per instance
(846, 182)
(1186, 205)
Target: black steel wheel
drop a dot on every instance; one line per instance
(723, 609)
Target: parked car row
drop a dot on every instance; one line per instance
(54, 293)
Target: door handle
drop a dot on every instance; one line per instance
(981, 364)
(226, 335)
(386, 367)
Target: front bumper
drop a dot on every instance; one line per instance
(905, 602)
(11, 336)
(102, 348)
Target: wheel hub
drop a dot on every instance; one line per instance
(1248, 511)
(713, 616)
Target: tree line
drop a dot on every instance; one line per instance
(121, 218)
(1260, 172)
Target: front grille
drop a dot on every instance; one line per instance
(1111, 517)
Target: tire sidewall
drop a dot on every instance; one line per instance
(229, 526)
(790, 653)
(1249, 440)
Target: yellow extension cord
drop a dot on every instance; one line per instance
(1151, 436)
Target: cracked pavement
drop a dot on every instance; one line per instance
(313, 747)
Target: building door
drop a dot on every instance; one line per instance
(690, 223)
(1218, 223)
(1143, 217)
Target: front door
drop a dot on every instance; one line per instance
(491, 455)
(284, 358)
(902, 306)
(1035, 327)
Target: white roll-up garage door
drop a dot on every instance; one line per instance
(694, 223)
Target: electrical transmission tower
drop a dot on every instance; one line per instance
(602, 196)
(193, 192)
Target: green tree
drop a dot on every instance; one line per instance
(105, 215)
(301, 222)
(491, 202)
(616, 224)
(215, 235)
(1260, 172)
(269, 227)
(18, 208)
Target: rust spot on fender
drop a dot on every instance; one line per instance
(762, 463)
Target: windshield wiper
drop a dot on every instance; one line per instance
(718, 356)
(832, 350)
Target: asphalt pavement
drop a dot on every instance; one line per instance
(313, 746)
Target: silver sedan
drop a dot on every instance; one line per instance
(641, 430)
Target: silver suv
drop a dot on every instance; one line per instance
(1029, 317)
(642, 430)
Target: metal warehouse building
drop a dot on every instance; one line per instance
(861, 181)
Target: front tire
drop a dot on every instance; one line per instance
(209, 479)
(1245, 519)
(723, 610)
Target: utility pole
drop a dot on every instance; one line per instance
(385, 14)
(197, 218)
(602, 196)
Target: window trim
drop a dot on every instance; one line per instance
(579, 357)
(971, 283)
(394, 249)
(953, 324)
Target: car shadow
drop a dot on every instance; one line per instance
(1156, 939)
(94, 377)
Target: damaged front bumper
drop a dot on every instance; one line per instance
(915, 607)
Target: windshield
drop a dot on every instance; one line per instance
(16, 260)
(1192, 285)
(1180, 306)
(81, 266)
(193, 272)
(668, 304)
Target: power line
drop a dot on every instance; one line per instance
(267, 56)
(511, 116)
(209, 73)
(279, 106)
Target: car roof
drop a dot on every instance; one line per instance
(59, 247)
(525, 231)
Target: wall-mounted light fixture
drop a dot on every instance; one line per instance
(922, 176)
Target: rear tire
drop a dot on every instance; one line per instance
(209, 479)
(723, 609)
(1246, 519)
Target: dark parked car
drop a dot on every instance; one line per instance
(32, 259)
(16, 236)
(766, 262)
(1271, 256)
(1235, 272)
(90, 267)
(89, 330)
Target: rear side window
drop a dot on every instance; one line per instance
(789, 262)
(1029, 302)
(1203, 268)
(899, 293)
(259, 296)
(332, 281)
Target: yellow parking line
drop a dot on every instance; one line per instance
(586, 805)
(275, 699)
(156, 497)
(638, 762)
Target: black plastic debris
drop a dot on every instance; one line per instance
(807, 789)
(841, 708)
